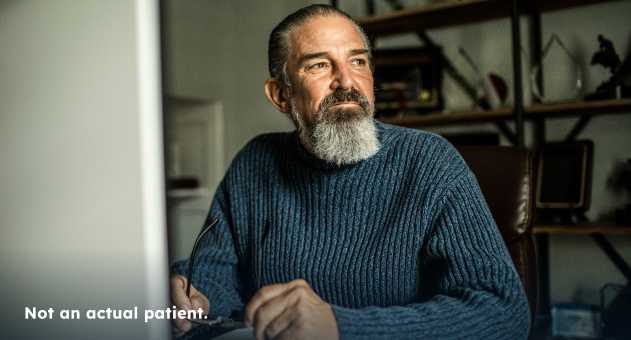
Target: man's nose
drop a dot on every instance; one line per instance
(342, 78)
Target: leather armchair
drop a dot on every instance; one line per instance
(505, 175)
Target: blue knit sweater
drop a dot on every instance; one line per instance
(402, 245)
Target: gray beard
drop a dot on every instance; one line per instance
(340, 142)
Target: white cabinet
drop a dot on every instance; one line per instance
(194, 139)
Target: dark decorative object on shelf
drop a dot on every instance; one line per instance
(564, 181)
(620, 181)
(407, 80)
(619, 84)
(446, 64)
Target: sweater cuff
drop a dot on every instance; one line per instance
(179, 268)
(348, 322)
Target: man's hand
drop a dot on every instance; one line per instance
(181, 301)
(290, 311)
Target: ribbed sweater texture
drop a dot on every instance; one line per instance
(402, 245)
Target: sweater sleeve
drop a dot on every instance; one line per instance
(215, 271)
(470, 288)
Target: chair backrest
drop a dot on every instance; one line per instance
(506, 178)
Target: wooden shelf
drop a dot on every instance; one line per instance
(451, 118)
(582, 229)
(188, 193)
(454, 12)
(558, 110)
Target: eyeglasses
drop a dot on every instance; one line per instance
(219, 321)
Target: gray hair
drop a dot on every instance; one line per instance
(278, 47)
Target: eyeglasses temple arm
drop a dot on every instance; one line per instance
(191, 259)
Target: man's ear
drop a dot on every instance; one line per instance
(277, 94)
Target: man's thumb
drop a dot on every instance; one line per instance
(198, 302)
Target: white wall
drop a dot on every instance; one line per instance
(82, 188)
(217, 50)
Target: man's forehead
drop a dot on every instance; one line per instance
(322, 33)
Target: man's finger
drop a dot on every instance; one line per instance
(272, 309)
(281, 324)
(263, 295)
(181, 301)
(183, 324)
(178, 293)
(200, 301)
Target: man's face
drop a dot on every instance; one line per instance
(327, 54)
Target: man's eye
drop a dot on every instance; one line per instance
(358, 62)
(317, 66)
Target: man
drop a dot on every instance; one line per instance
(349, 228)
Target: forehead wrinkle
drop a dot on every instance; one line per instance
(306, 37)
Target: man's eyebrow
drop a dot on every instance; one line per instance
(311, 56)
(315, 55)
(358, 51)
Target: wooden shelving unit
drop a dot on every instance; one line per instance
(459, 12)
(582, 229)
(558, 110)
(188, 193)
(450, 13)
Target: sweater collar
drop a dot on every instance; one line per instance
(310, 159)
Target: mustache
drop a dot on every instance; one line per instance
(345, 96)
